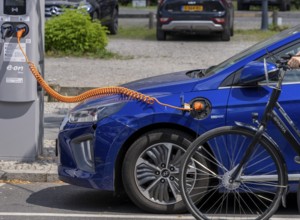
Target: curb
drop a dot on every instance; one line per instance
(29, 175)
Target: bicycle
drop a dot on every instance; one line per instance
(250, 181)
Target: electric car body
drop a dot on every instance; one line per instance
(117, 143)
(195, 16)
(104, 10)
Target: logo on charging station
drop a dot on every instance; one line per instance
(14, 10)
(19, 69)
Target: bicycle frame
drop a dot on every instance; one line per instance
(271, 115)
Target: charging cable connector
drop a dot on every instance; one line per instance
(7, 30)
(22, 30)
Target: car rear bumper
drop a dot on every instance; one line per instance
(192, 26)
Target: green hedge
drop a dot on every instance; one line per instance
(74, 33)
(296, 3)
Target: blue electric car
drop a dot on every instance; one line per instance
(117, 143)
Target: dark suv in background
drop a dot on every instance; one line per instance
(104, 10)
(195, 16)
(284, 5)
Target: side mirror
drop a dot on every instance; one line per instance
(254, 72)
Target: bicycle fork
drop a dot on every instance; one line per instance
(237, 171)
(236, 174)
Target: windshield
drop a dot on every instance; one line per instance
(213, 69)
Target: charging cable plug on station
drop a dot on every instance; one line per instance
(197, 106)
(7, 30)
(22, 30)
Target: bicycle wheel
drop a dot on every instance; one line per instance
(260, 185)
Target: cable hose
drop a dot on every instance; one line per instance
(114, 90)
(90, 93)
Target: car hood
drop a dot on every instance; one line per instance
(158, 86)
(163, 83)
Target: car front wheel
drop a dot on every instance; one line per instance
(151, 170)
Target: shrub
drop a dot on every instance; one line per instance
(74, 33)
(296, 3)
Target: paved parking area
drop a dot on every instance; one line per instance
(142, 59)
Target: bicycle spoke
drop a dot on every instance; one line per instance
(237, 155)
(256, 196)
(210, 172)
(216, 162)
(220, 163)
(224, 196)
(204, 203)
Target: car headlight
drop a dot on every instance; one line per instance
(84, 115)
(93, 114)
(85, 6)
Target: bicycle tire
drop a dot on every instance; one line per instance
(261, 185)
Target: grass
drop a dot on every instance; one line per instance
(253, 34)
(144, 33)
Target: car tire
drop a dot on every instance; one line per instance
(150, 170)
(225, 35)
(113, 26)
(160, 35)
(232, 31)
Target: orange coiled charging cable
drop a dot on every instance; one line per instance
(93, 92)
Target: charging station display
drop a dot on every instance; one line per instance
(15, 7)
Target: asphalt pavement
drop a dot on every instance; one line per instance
(59, 201)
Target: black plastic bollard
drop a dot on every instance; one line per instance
(264, 15)
(275, 18)
(151, 20)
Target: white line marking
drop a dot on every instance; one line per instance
(124, 216)
(106, 216)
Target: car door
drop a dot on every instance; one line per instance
(245, 100)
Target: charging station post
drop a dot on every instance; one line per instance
(21, 98)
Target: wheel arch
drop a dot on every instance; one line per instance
(118, 182)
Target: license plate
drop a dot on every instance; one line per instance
(192, 8)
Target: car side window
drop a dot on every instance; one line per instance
(294, 74)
